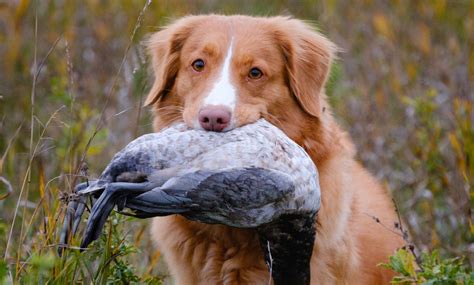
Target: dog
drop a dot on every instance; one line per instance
(219, 72)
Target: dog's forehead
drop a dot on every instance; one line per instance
(220, 32)
(208, 37)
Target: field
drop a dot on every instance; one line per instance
(73, 76)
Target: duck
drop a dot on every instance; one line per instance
(252, 177)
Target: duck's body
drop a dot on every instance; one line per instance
(250, 177)
(179, 150)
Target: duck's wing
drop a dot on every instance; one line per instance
(241, 197)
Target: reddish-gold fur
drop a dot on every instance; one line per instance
(295, 61)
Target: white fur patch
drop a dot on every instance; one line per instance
(223, 92)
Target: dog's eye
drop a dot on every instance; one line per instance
(255, 73)
(198, 65)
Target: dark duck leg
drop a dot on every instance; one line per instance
(287, 244)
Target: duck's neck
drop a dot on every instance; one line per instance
(287, 244)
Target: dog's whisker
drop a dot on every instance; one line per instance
(170, 107)
(172, 118)
(166, 112)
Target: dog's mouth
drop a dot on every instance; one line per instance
(222, 119)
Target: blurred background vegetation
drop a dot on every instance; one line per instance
(73, 75)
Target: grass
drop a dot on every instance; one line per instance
(72, 81)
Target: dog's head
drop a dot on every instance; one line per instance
(221, 72)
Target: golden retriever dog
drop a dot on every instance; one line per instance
(220, 72)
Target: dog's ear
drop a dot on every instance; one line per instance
(308, 56)
(164, 48)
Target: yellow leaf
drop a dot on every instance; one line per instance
(424, 38)
(434, 238)
(410, 263)
(21, 11)
(41, 188)
(154, 259)
(439, 7)
(380, 98)
(382, 25)
(41, 182)
(458, 149)
(407, 100)
(411, 71)
(455, 144)
(426, 206)
(396, 85)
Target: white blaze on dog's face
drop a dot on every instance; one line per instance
(223, 92)
(221, 72)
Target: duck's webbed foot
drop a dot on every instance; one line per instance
(74, 210)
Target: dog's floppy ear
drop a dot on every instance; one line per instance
(164, 48)
(308, 57)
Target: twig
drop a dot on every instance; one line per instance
(402, 232)
(9, 188)
(70, 71)
(377, 220)
(139, 114)
(43, 61)
(10, 143)
(270, 266)
(406, 238)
